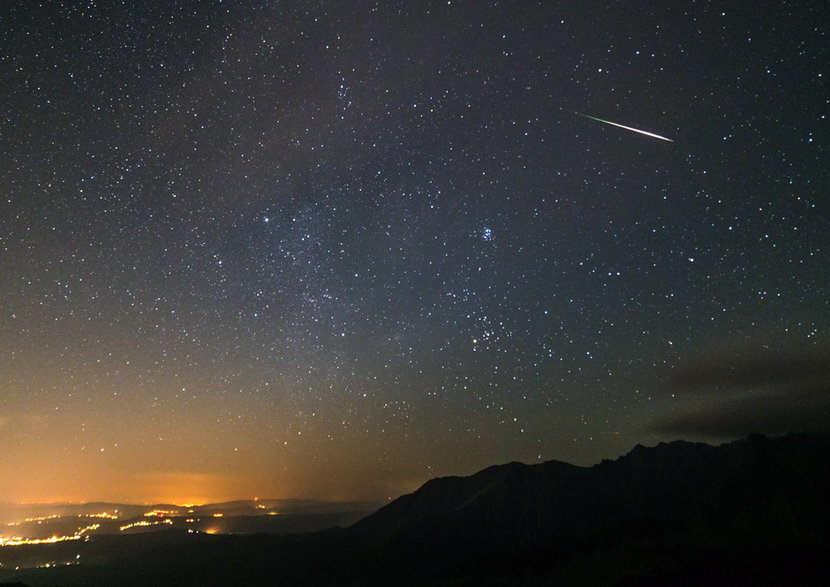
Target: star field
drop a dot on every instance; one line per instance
(333, 250)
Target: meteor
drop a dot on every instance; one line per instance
(642, 132)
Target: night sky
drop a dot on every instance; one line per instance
(334, 249)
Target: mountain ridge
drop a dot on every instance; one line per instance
(552, 500)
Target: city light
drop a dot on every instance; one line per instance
(161, 513)
(144, 523)
(18, 541)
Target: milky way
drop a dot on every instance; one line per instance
(335, 249)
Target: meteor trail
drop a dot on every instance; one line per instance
(642, 132)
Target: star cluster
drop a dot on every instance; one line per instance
(334, 249)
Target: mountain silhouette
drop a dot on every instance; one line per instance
(754, 511)
(757, 490)
(678, 503)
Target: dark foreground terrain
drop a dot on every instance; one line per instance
(753, 512)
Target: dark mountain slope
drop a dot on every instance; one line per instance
(672, 505)
(754, 490)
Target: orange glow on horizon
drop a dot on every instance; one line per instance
(39, 477)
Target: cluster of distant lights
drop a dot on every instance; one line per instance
(161, 515)
(18, 541)
(144, 523)
(53, 564)
(40, 519)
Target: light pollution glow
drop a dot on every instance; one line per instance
(45, 472)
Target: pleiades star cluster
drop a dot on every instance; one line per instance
(334, 249)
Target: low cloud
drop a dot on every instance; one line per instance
(751, 371)
(741, 392)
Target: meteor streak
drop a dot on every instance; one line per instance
(642, 132)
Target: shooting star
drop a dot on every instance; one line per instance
(642, 132)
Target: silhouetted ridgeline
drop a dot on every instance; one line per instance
(766, 491)
(749, 512)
